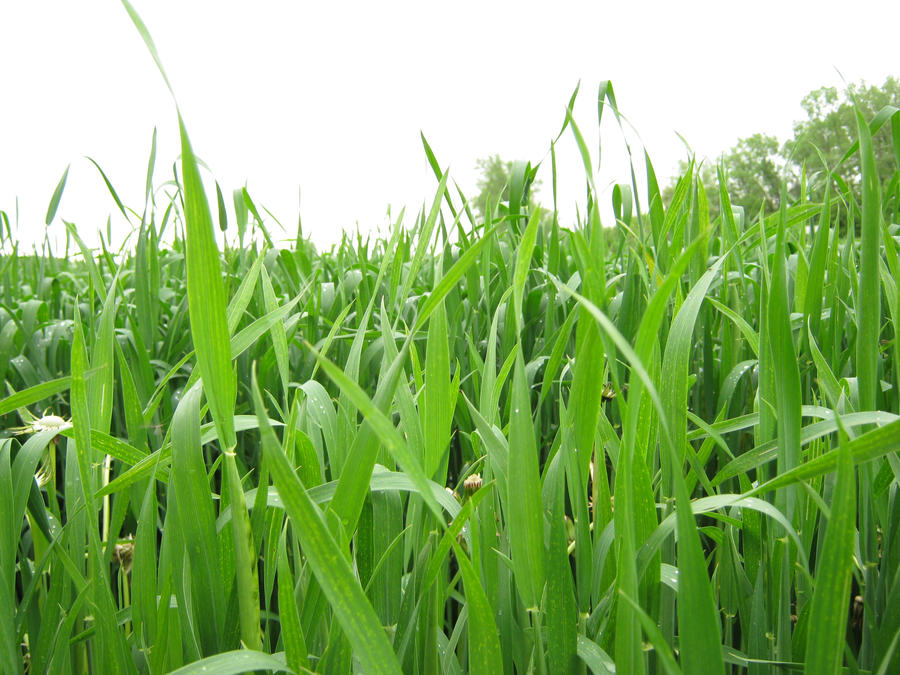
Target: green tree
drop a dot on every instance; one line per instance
(830, 128)
(756, 166)
(756, 171)
(493, 185)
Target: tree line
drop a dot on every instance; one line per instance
(759, 166)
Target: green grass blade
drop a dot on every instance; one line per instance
(294, 641)
(663, 651)
(197, 520)
(825, 640)
(279, 337)
(597, 660)
(698, 621)
(523, 264)
(871, 445)
(9, 645)
(451, 278)
(347, 599)
(101, 388)
(812, 303)
(562, 623)
(868, 302)
(525, 518)
(33, 394)
(243, 294)
(93, 271)
(112, 653)
(484, 646)
(437, 411)
(57, 195)
(111, 189)
(424, 240)
(206, 298)
(244, 557)
(385, 430)
(784, 358)
(148, 41)
(234, 663)
(144, 577)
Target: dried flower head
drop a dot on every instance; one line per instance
(123, 553)
(472, 484)
(44, 423)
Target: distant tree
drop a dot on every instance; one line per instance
(757, 166)
(830, 128)
(756, 171)
(706, 172)
(493, 185)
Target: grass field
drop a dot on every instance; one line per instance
(477, 445)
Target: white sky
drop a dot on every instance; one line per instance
(329, 97)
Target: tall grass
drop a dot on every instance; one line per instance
(490, 445)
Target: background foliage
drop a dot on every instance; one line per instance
(758, 165)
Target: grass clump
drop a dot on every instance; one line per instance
(487, 444)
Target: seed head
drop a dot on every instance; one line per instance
(472, 484)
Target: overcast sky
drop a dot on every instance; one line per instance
(329, 97)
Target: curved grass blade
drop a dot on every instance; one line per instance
(148, 41)
(291, 631)
(112, 190)
(868, 301)
(484, 646)
(197, 520)
(698, 621)
(206, 298)
(111, 643)
(382, 480)
(662, 648)
(871, 445)
(438, 403)
(234, 663)
(9, 645)
(244, 557)
(33, 394)
(449, 280)
(562, 622)
(57, 195)
(827, 620)
(525, 519)
(329, 565)
(767, 451)
(596, 659)
(385, 430)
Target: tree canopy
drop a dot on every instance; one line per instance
(757, 165)
(830, 128)
(493, 185)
